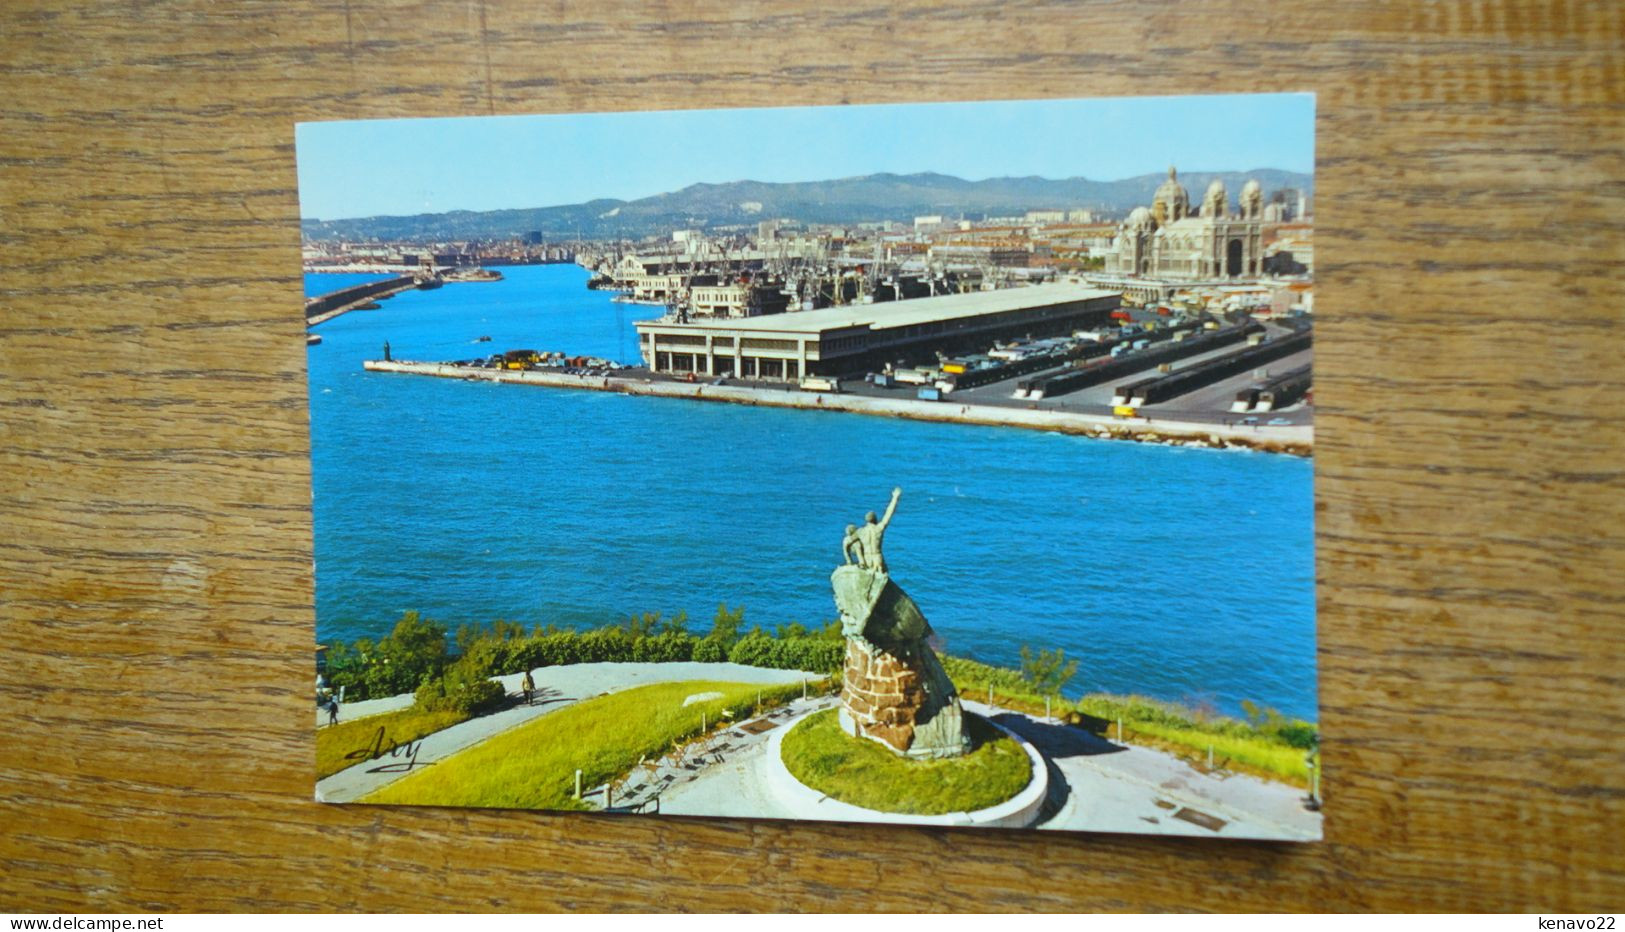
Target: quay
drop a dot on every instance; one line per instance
(1292, 439)
(325, 307)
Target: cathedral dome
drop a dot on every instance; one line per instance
(1252, 199)
(1216, 202)
(1171, 202)
(1140, 219)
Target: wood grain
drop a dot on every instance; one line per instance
(155, 537)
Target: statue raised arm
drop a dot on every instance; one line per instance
(871, 534)
(891, 509)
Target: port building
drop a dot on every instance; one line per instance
(857, 338)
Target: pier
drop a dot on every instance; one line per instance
(328, 306)
(1293, 439)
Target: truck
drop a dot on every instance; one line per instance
(520, 359)
(818, 383)
(929, 393)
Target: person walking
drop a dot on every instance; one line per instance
(528, 685)
(332, 710)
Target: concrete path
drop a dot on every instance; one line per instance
(720, 776)
(1102, 787)
(349, 711)
(1109, 787)
(556, 688)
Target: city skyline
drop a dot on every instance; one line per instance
(439, 165)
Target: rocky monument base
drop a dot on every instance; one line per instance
(901, 700)
(895, 690)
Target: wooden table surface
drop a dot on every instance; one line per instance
(155, 534)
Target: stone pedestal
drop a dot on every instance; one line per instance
(895, 690)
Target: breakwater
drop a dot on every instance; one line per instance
(1297, 440)
(328, 306)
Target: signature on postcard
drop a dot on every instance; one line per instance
(403, 757)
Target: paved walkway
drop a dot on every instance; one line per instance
(691, 775)
(349, 711)
(1109, 787)
(1096, 786)
(556, 688)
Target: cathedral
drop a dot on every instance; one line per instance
(1168, 241)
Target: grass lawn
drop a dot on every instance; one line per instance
(334, 742)
(533, 766)
(862, 772)
(1236, 745)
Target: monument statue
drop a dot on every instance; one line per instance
(863, 543)
(895, 690)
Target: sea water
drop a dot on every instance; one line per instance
(1178, 573)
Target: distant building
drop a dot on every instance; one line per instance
(928, 224)
(858, 338)
(1291, 252)
(1045, 216)
(1168, 241)
(1006, 256)
(736, 299)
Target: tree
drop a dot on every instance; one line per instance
(675, 625)
(726, 626)
(1046, 671)
(414, 649)
(641, 625)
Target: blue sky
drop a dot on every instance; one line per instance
(359, 168)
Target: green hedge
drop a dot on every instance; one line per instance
(710, 650)
(816, 655)
(496, 657)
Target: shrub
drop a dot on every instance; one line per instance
(488, 657)
(710, 650)
(462, 688)
(667, 647)
(1046, 671)
(1267, 721)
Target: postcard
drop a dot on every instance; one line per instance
(945, 463)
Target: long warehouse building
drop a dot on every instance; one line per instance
(857, 338)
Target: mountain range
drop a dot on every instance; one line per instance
(864, 198)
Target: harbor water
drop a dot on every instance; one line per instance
(1176, 573)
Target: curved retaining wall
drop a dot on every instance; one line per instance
(1020, 811)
